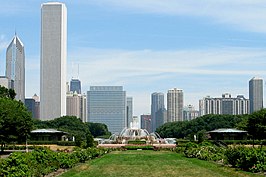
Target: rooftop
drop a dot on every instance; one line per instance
(46, 131)
(227, 130)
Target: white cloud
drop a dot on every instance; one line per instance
(243, 14)
(110, 65)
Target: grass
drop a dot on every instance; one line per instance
(152, 164)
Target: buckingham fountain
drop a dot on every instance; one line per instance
(133, 135)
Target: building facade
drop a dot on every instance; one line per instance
(146, 122)
(53, 60)
(107, 104)
(76, 105)
(129, 111)
(174, 105)
(189, 113)
(15, 67)
(75, 86)
(224, 105)
(157, 110)
(4, 82)
(256, 94)
(33, 106)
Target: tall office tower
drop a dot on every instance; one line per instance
(256, 94)
(146, 122)
(75, 86)
(129, 111)
(225, 105)
(107, 104)
(76, 105)
(157, 109)
(174, 105)
(15, 67)
(53, 60)
(189, 113)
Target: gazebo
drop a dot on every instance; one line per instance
(48, 135)
(227, 134)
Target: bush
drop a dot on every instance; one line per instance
(245, 158)
(139, 147)
(210, 153)
(42, 161)
(136, 142)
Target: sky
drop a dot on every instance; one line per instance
(202, 47)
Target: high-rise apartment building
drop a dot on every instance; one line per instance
(129, 111)
(75, 86)
(224, 105)
(15, 67)
(256, 94)
(174, 105)
(53, 60)
(157, 110)
(107, 104)
(76, 105)
(189, 113)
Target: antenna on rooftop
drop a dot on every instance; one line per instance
(78, 71)
(72, 70)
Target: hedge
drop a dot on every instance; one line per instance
(42, 161)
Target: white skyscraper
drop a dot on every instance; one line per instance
(15, 67)
(174, 105)
(256, 94)
(53, 60)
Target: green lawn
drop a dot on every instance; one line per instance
(151, 164)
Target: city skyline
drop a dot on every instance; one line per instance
(205, 48)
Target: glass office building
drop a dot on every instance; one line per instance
(107, 104)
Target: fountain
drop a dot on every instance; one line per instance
(134, 136)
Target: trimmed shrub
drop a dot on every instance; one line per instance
(42, 161)
(245, 158)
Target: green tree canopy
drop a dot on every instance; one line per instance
(72, 125)
(7, 93)
(256, 124)
(98, 129)
(15, 121)
(187, 129)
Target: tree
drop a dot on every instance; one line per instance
(15, 122)
(186, 129)
(98, 129)
(256, 124)
(72, 125)
(7, 93)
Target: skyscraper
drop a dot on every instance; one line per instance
(256, 94)
(33, 106)
(129, 111)
(174, 105)
(157, 108)
(15, 67)
(75, 86)
(53, 60)
(146, 122)
(76, 105)
(189, 113)
(107, 104)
